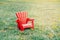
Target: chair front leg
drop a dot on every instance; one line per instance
(32, 25)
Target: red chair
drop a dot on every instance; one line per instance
(23, 22)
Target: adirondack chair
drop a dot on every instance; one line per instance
(23, 21)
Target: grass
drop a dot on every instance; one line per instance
(46, 15)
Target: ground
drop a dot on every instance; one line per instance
(46, 15)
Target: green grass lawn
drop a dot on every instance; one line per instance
(46, 15)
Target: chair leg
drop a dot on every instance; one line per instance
(22, 29)
(32, 28)
(32, 25)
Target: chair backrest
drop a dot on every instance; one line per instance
(22, 16)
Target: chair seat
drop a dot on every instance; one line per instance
(28, 25)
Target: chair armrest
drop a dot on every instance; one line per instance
(18, 21)
(30, 19)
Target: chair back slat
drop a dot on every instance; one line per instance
(22, 16)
